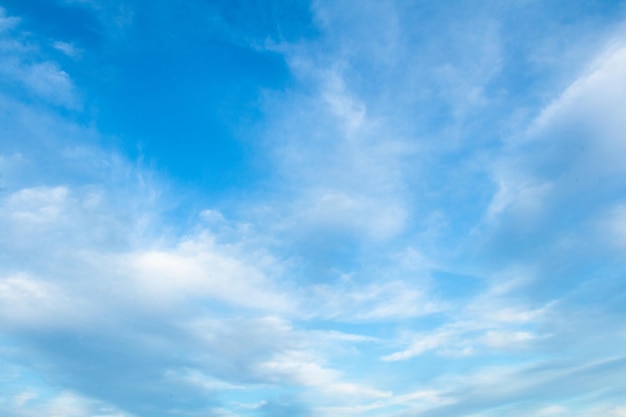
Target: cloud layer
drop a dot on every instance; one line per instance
(423, 214)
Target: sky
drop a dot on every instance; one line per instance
(376, 208)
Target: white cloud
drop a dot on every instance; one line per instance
(350, 300)
(220, 306)
(24, 397)
(507, 339)
(212, 216)
(63, 230)
(422, 343)
(350, 111)
(36, 206)
(67, 48)
(591, 104)
(342, 166)
(303, 368)
(198, 267)
(59, 404)
(358, 213)
(25, 301)
(44, 79)
(496, 319)
(49, 81)
(522, 199)
(416, 401)
(7, 22)
(197, 378)
(572, 148)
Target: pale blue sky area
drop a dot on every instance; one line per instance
(312, 209)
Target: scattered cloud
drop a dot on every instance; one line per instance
(438, 230)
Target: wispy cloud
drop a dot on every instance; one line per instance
(437, 230)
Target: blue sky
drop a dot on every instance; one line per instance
(326, 208)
